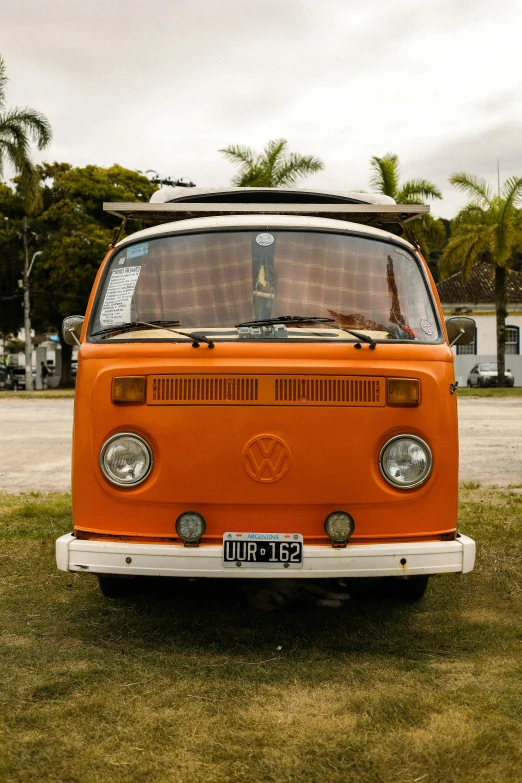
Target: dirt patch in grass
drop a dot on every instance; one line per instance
(186, 682)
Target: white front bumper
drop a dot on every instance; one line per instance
(427, 557)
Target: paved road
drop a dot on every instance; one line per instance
(35, 443)
(491, 440)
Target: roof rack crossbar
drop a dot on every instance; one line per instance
(376, 214)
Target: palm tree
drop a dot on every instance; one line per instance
(18, 128)
(385, 179)
(490, 227)
(272, 168)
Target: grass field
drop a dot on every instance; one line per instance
(44, 394)
(188, 683)
(515, 392)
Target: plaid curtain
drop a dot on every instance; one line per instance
(198, 279)
(360, 282)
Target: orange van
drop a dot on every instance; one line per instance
(265, 388)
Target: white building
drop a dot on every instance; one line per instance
(476, 297)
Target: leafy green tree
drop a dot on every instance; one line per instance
(18, 128)
(489, 228)
(430, 233)
(11, 261)
(74, 234)
(275, 167)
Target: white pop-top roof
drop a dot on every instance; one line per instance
(169, 193)
(260, 221)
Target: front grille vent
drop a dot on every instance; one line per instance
(317, 390)
(204, 389)
(328, 390)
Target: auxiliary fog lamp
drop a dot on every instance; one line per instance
(339, 527)
(190, 527)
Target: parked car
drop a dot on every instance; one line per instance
(18, 375)
(486, 374)
(6, 378)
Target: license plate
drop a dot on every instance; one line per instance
(262, 550)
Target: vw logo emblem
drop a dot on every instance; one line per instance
(266, 458)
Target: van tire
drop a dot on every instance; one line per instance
(407, 588)
(117, 587)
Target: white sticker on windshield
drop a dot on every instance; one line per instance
(426, 326)
(116, 308)
(264, 239)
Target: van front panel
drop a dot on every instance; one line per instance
(281, 464)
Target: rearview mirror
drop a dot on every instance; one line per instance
(72, 328)
(461, 330)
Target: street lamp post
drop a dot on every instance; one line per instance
(27, 311)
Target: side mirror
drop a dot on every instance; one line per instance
(461, 330)
(72, 328)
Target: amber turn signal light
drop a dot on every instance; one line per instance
(129, 389)
(403, 391)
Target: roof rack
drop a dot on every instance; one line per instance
(170, 204)
(378, 215)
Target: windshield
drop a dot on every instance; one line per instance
(488, 367)
(217, 281)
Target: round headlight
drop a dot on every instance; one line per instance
(405, 461)
(339, 526)
(190, 526)
(126, 459)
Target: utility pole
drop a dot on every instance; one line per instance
(27, 315)
(27, 310)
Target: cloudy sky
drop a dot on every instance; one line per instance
(164, 84)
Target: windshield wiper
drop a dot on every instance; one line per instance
(196, 337)
(130, 325)
(360, 336)
(288, 319)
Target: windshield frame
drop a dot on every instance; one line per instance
(310, 338)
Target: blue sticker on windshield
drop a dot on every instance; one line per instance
(138, 250)
(264, 239)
